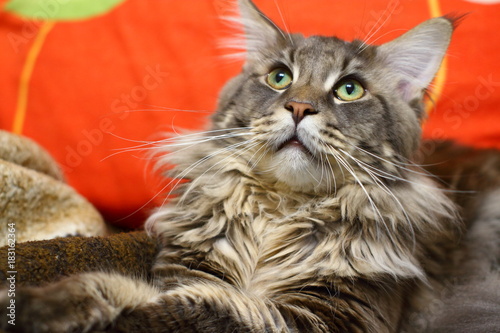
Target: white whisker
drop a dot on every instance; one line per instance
(349, 168)
(382, 36)
(220, 151)
(187, 140)
(385, 189)
(389, 176)
(284, 23)
(371, 33)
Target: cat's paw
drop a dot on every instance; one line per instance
(49, 309)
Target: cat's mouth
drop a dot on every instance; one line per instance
(295, 143)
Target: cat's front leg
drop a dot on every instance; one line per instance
(76, 304)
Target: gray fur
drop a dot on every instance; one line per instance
(473, 307)
(468, 300)
(286, 226)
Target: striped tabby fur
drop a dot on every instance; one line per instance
(303, 211)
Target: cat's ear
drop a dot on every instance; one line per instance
(417, 55)
(260, 31)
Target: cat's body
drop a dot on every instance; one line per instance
(302, 212)
(465, 296)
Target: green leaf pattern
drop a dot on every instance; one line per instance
(60, 10)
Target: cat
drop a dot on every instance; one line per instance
(302, 211)
(466, 297)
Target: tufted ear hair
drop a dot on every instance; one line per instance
(416, 56)
(260, 31)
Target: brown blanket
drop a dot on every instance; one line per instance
(39, 262)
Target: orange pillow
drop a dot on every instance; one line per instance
(94, 85)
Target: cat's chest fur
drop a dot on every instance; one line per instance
(267, 241)
(275, 245)
(257, 236)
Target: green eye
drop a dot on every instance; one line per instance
(349, 90)
(279, 78)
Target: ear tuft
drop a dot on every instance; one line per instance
(455, 18)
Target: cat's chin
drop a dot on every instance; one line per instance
(294, 167)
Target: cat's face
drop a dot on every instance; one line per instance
(323, 111)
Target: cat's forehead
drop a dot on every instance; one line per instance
(329, 56)
(320, 46)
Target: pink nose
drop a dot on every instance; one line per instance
(299, 110)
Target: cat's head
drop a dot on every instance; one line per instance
(324, 111)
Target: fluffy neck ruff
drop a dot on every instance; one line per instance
(229, 212)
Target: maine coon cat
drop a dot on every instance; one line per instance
(303, 211)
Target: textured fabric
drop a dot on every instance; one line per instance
(37, 263)
(35, 203)
(92, 90)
